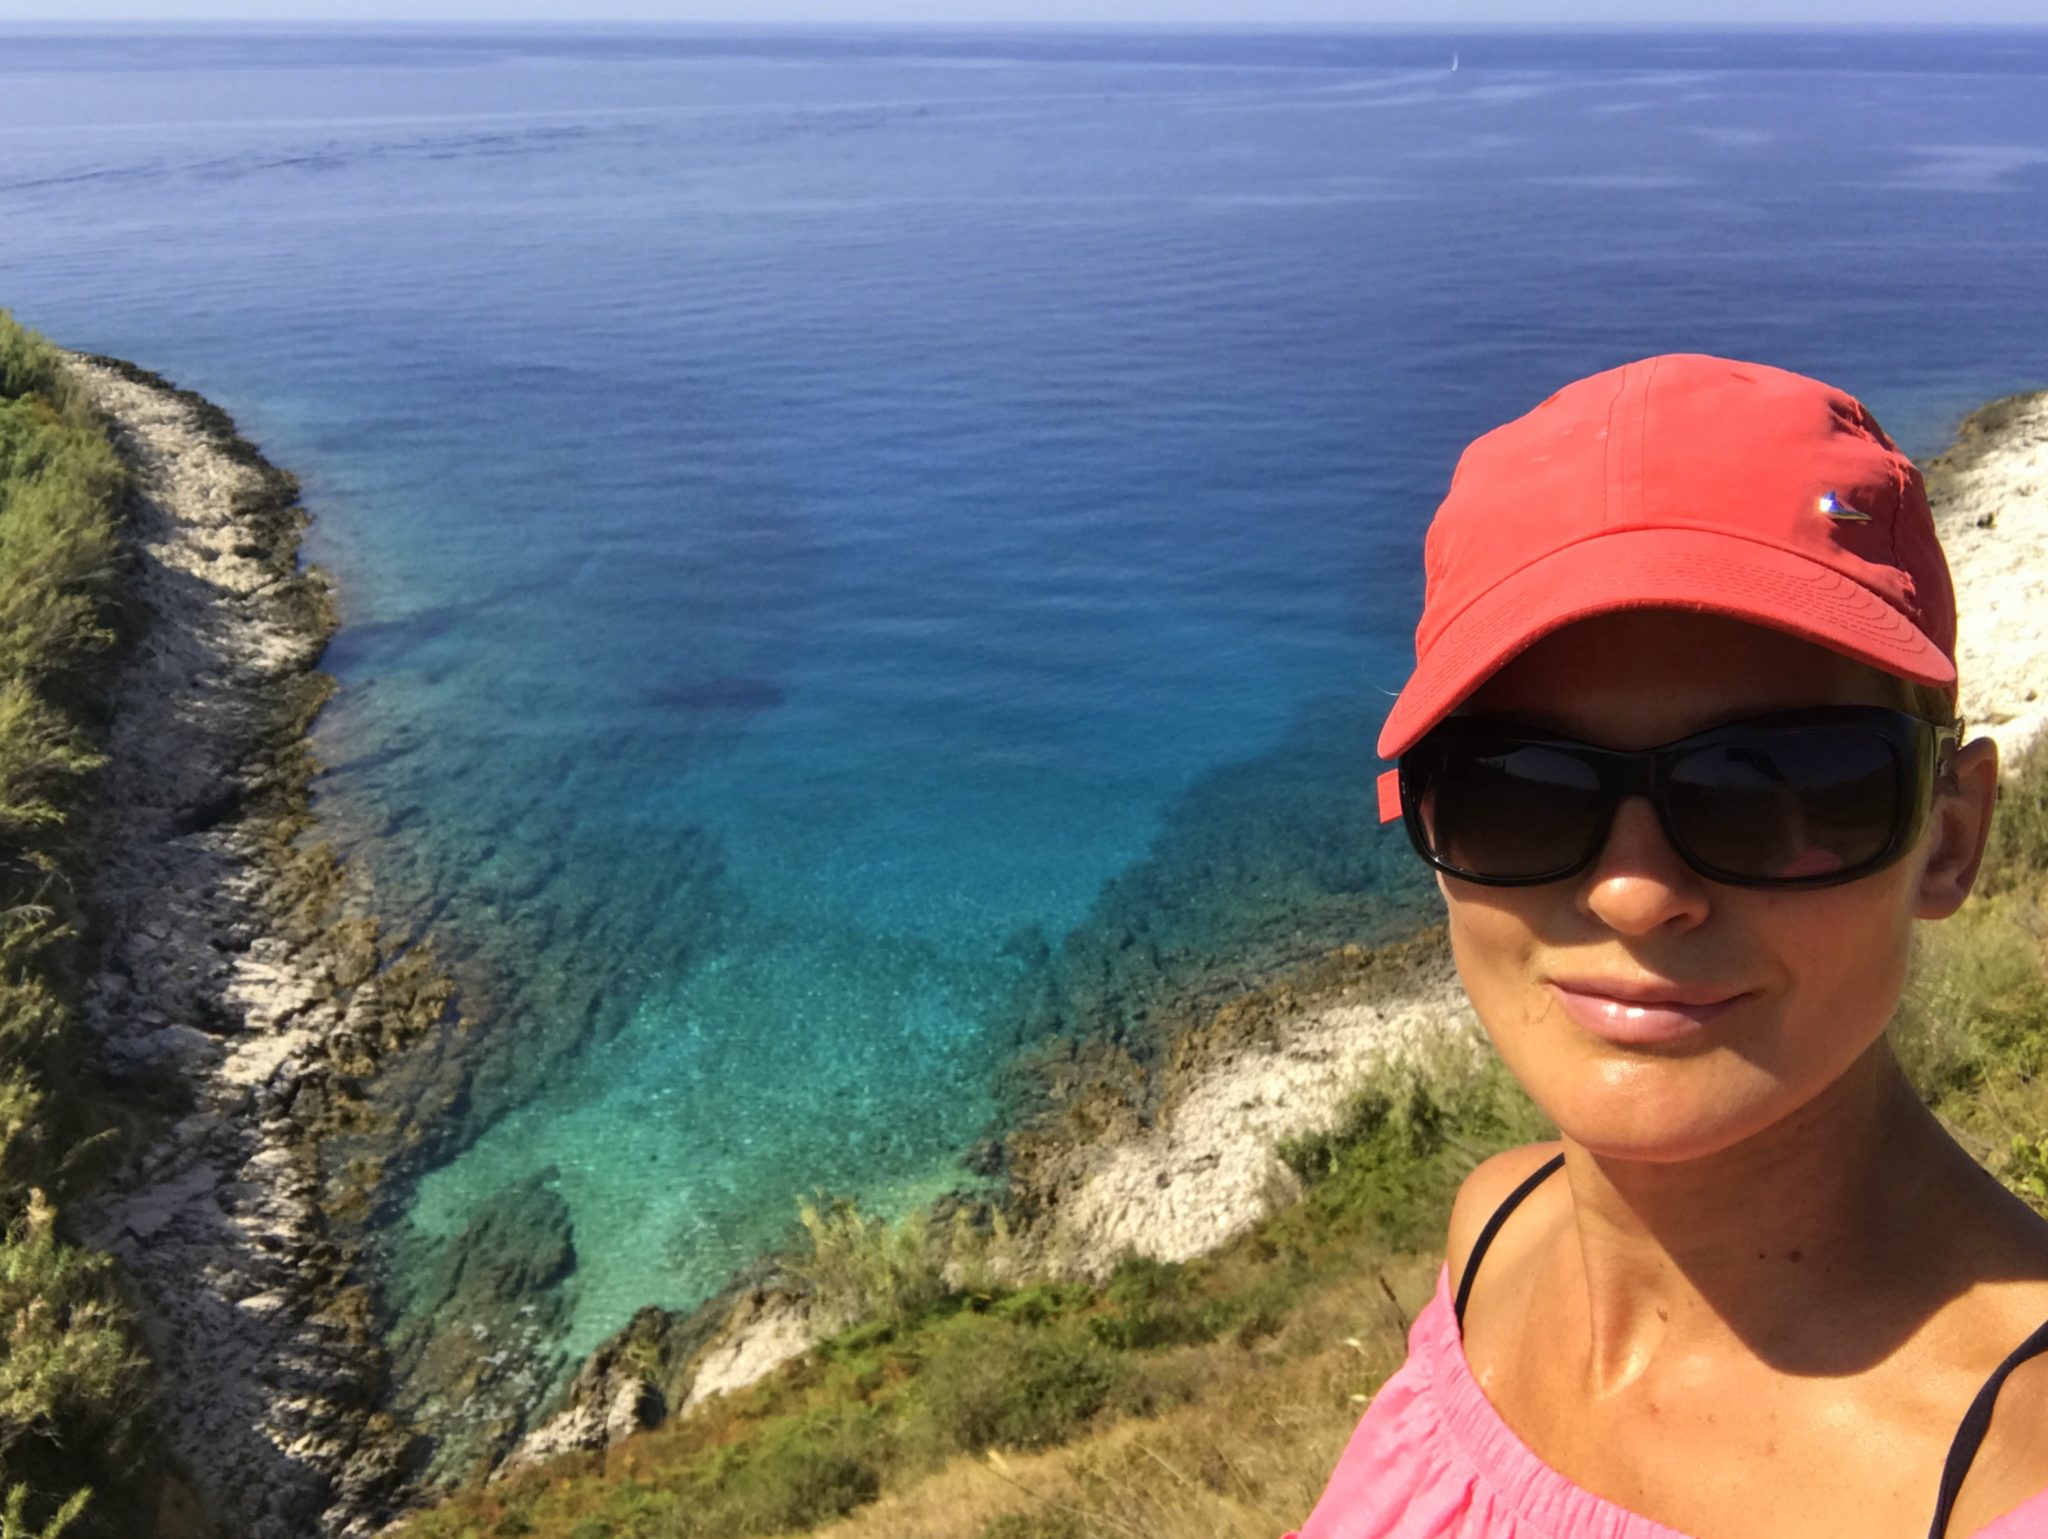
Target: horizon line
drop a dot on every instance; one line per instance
(1262, 26)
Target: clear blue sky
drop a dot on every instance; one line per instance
(1438, 14)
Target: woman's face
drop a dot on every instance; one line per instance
(1653, 1014)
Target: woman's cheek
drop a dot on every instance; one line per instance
(1841, 958)
(1496, 957)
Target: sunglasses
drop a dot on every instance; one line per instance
(1808, 798)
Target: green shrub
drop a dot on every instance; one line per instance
(797, 1473)
(14, 1523)
(69, 1372)
(1039, 1302)
(67, 1358)
(816, 1485)
(1153, 1304)
(1016, 1387)
(28, 364)
(1393, 1161)
(863, 1267)
(2026, 1168)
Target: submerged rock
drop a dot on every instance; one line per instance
(476, 1344)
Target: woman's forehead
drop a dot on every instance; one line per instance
(1651, 675)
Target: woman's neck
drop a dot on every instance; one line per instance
(1814, 1219)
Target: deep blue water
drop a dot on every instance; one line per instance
(809, 508)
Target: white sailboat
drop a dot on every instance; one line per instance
(1454, 61)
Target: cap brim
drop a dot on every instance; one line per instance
(1696, 569)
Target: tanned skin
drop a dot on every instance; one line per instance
(1767, 1284)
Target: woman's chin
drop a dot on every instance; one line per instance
(1662, 1112)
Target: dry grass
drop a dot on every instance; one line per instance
(1245, 1459)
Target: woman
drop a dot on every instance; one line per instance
(1680, 742)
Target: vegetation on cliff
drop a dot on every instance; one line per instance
(69, 1370)
(1207, 1400)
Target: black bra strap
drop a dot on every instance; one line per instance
(1977, 1421)
(1969, 1435)
(1494, 1220)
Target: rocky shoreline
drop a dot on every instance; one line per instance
(245, 997)
(1990, 496)
(232, 997)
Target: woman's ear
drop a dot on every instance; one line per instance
(1965, 795)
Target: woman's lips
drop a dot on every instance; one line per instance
(1632, 1018)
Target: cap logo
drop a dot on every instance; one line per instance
(1835, 508)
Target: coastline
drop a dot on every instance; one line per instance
(231, 969)
(230, 995)
(1176, 1162)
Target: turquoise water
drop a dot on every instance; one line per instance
(827, 522)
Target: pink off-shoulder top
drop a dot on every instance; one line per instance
(1432, 1459)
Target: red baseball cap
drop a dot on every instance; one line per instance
(1679, 482)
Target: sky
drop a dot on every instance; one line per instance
(1438, 15)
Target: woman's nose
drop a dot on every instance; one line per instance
(1638, 883)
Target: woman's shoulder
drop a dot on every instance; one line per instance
(2010, 1470)
(2010, 1467)
(1484, 1190)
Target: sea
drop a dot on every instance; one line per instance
(861, 553)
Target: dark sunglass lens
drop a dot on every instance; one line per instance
(1508, 810)
(1788, 804)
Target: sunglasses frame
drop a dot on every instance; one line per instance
(1915, 741)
